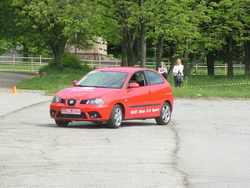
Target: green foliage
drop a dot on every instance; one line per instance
(56, 23)
(190, 28)
(69, 61)
(2, 50)
(128, 20)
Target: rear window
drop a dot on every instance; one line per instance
(154, 78)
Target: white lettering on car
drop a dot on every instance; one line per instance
(155, 109)
(133, 112)
(87, 89)
(142, 111)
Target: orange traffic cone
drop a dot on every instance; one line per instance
(14, 91)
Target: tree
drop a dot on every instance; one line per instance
(129, 27)
(55, 23)
(230, 20)
(175, 26)
(7, 15)
(192, 29)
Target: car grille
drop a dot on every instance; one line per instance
(82, 116)
(71, 102)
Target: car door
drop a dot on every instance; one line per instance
(157, 87)
(139, 100)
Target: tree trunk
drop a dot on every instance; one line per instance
(159, 49)
(187, 69)
(210, 64)
(132, 46)
(229, 55)
(143, 46)
(57, 56)
(58, 49)
(124, 54)
(128, 51)
(137, 50)
(173, 58)
(25, 51)
(247, 57)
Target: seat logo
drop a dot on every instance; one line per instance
(71, 102)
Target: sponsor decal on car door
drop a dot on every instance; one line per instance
(140, 103)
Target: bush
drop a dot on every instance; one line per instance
(69, 61)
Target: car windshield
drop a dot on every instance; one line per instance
(104, 79)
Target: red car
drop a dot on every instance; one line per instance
(112, 95)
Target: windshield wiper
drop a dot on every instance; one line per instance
(80, 86)
(91, 86)
(101, 86)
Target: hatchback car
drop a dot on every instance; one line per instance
(112, 95)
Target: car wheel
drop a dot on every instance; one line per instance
(61, 123)
(165, 116)
(116, 115)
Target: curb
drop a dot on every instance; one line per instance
(23, 90)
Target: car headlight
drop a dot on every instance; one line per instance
(56, 99)
(95, 101)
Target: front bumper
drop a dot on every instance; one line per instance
(89, 112)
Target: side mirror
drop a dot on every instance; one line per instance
(133, 85)
(74, 82)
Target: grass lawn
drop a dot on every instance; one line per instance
(218, 86)
(193, 87)
(54, 81)
(218, 71)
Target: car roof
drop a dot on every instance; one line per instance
(122, 69)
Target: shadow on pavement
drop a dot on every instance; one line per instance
(88, 125)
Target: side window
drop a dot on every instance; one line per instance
(154, 78)
(138, 78)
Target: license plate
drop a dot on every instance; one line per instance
(71, 111)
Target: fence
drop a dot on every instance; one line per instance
(10, 63)
(101, 63)
(23, 60)
(219, 69)
(32, 62)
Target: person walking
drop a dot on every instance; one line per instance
(162, 69)
(178, 73)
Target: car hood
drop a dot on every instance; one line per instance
(84, 93)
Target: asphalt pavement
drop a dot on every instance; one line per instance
(10, 79)
(206, 144)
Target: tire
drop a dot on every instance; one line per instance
(116, 117)
(61, 123)
(165, 116)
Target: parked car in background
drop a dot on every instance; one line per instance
(112, 95)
